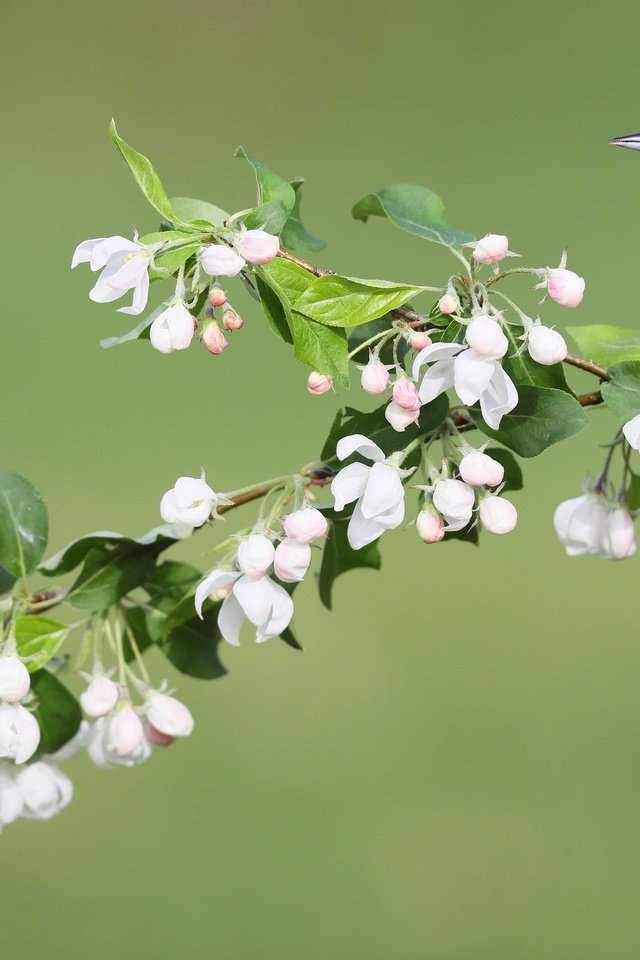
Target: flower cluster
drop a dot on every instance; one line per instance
(591, 524)
(19, 729)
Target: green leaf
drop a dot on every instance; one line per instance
(270, 216)
(622, 392)
(414, 209)
(273, 310)
(290, 639)
(144, 175)
(75, 552)
(294, 235)
(192, 646)
(606, 345)
(109, 573)
(270, 185)
(286, 279)
(38, 640)
(543, 417)
(57, 712)
(324, 349)
(633, 493)
(146, 627)
(339, 557)
(7, 580)
(24, 525)
(348, 302)
(188, 210)
(170, 582)
(513, 479)
(360, 335)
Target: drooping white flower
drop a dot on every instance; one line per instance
(257, 246)
(264, 603)
(619, 534)
(19, 733)
(11, 802)
(546, 346)
(190, 502)
(399, 417)
(454, 499)
(473, 378)
(101, 749)
(218, 260)
(173, 329)
(45, 790)
(15, 680)
(124, 264)
(631, 432)
(378, 491)
(292, 560)
(255, 555)
(480, 470)
(125, 732)
(169, 715)
(579, 524)
(497, 515)
(100, 697)
(305, 525)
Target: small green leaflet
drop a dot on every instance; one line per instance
(339, 557)
(144, 175)
(38, 640)
(622, 391)
(294, 235)
(57, 712)
(348, 301)
(24, 525)
(606, 345)
(414, 209)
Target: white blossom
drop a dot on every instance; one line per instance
(374, 378)
(257, 246)
(292, 560)
(219, 260)
(546, 346)
(15, 680)
(305, 525)
(579, 524)
(255, 555)
(481, 470)
(169, 715)
(45, 790)
(173, 329)
(100, 747)
(264, 603)
(19, 733)
(430, 525)
(454, 499)
(377, 490)
(100, 697)
(631, 432)
(190, 502)
(399, 417)
(497, 515)
(619, 535)
(124, 265)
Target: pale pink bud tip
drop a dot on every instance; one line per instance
(292, 560)
(486, 338)
(169, 716)
(619, 535)
(375, 376)
(491, 249)
(481, 470)
(232, 320)
(565, 287)
(157, 738)
(318, 383)
(125, 732)
(14, 679)
(217, 297)
(257, 246)
(448, 304)
(497, 515)
(546, 346)
(214, 339)
(405, 394)
(420, 340)
(430, 525)
(100, 697)
(305, 525)
(399, 417)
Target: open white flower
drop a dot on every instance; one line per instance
(377, 489)
(190, 502)
(473, 378)
(102, 750)
(124, 265)
(45, 790)
(173, 329)
(19, 733)
(264, 603)
(580, 524)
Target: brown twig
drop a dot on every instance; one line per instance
(588, 366)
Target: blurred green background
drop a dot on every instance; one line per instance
(450, 770)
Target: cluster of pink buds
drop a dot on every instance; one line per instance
(452, 500)
(212, 334)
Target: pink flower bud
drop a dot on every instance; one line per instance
(318, 383)
(419, 340)
(217, 297)
(100, 697)
(213, 338)
(491, 249)
(546, 346)
(156, 738)
(486, 338)
(448, 304)
(15, 681)
(218, 260)
(125, 732)
(481, 470)
(169, 716)
(375, 376)
(257, 246)
(405, 394)
(619, 535)
(399, 418)
(565, 287)
(255, 555)
(292, 559)
(305, 525)
(232, 320)
(497, 515)
(430, 525)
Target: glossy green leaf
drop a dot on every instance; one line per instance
(324, 349)
(144, 175)
(348, 302)
(188, 210)
(622, 391)
(414, 209)
(605, 344)
(543, 417)
(513, 479)
(338, 556)
(24, 525)
(109, 573)
(633, 493)
(170, 582)
(75, 552)
(273, 310)
(57, 712)
(38, 640)
(294, 235)
(270, 216)
(270, 185)
(192, 646)
(7, 580)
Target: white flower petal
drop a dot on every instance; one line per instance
(434, 352)
(383, 491)
(82, 253)
(230, 620)
(499, 398)
(255, 597)
(349, 484)
(216, 580)
(360, 444)
(436, 380)
(471, 376)
(190, 490)
(108, 248)
(140, 297)
(362, 530)
(280, 617)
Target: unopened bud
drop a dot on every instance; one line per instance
(291, 560)
(318, 383)
(257, 246)
(454, 499)
(430, 525)
(305, 525)
(169, 716)
(399, 417)
(100, 697)
(232, 320)
(497, 515)
(619, 535)
(491, 249)
(565, 287)
(218, 260)
(217, 297)
(375, 376)
(486, 338)
(125, 732)
(481, 470)
(14, 679)
(213, 338)
(405, 394)
(255, 555)
(419, 340)
(157, 738)
(546, 346)
(448, 304)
